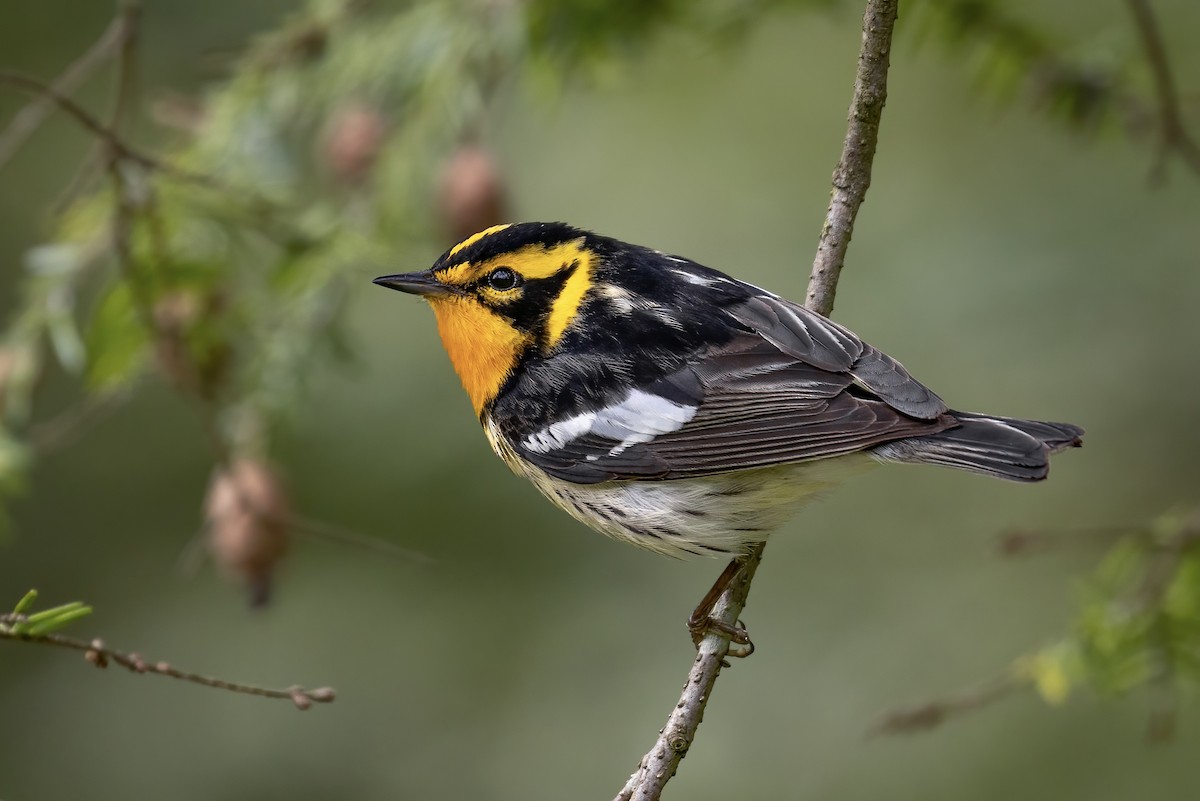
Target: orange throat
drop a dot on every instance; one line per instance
(483, 347)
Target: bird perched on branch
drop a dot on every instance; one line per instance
(669, 405)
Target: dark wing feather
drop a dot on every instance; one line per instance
(822, 343)
(795, 387)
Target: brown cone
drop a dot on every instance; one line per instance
(471, 194)
(355, 135)
(246, 511)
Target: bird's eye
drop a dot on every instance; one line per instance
(503, 279)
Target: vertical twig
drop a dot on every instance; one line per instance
(850, 181)
(129, 15)
(1172, 133)
(852, 176)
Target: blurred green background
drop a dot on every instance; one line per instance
(1016, 267)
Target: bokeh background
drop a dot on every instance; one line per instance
(1016, 266)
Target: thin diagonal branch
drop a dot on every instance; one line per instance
(61, 430)
(934, 712)
(662, 760)
(99, 655)
(850, 179)
(129, 15)
(1173, 136)
(105, 134)
(26, 121)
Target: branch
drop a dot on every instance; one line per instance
(129, 14)
(1025, 541)
(103, 132)
(29, 118)
(1173, 136)
(62, 429)
(933, 713)
(131, 202)
(99, 655)
(318, 530)
(1163, 549)
(852, 176)
(662, 760)
(850, 180)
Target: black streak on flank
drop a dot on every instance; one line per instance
(649, 533)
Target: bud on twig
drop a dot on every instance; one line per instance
(96, 655)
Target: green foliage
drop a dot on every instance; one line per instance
(1140, 615)
(117, 340)
(14, 464)
(598, 36)
(21, 622)
(1138, 622)
(1012, 57)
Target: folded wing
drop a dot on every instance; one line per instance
(793, 387)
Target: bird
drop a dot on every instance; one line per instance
(672, 406)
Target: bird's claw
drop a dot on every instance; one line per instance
(740, 645)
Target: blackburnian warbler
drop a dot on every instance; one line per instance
(669, 405)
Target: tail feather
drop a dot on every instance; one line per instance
(1004, 447)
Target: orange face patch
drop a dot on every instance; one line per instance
(483, 344)
(483, 347)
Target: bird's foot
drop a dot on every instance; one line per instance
(701, 624)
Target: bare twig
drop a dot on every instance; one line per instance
(1173, 136)
(1026, 541)
(933, 713)
(61, 430)
(99, 655)
(127, 203)
(107, 136)
(29, 118)
(662, 760)
(852, 176)
(121, 233)
(318, 530)
(1166, 555)
(129, 14)
(850, 180)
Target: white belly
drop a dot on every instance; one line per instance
(711, 516)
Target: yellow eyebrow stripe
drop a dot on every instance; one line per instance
(473, 238)
(566, 305)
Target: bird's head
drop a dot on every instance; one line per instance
(502, 292)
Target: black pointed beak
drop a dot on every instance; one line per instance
(415, 284)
